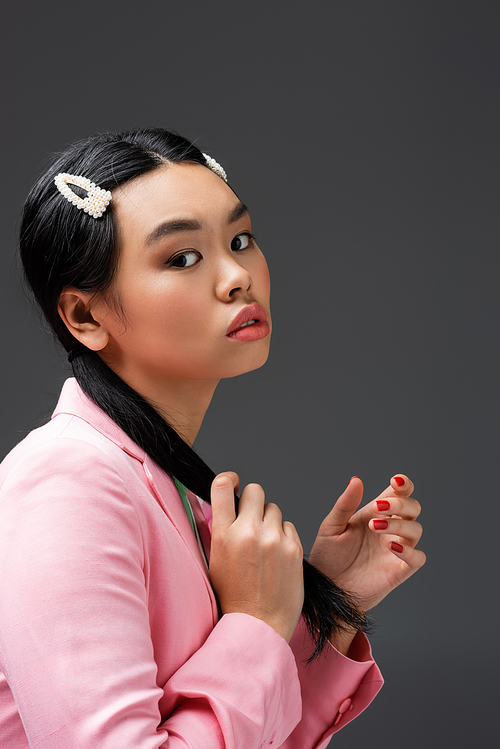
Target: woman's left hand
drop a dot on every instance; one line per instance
(371, 551)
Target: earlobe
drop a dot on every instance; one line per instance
(76, 311)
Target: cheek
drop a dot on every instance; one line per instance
(155, 309)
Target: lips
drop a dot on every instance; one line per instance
(254, 321)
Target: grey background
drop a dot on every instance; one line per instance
(364, 137)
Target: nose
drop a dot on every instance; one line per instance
(232, 278)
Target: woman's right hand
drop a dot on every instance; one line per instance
(255, 557)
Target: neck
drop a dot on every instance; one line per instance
(182, 403)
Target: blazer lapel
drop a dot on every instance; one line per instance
(201, 522)
(163, 488)
(73, 401)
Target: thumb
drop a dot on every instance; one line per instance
(344, 508)
(222, 492)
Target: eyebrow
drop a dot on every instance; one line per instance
(176, 226)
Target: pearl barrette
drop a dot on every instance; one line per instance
(97, 199)
(215, 167)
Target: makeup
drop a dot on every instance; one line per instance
(250, 324)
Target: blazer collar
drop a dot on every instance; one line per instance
(73, 401)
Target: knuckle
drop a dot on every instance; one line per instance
(223, 480)
(254, 490)
(292, 534)
(247, 535)
(272, 539)
(296, 552)
(254, 487)
(294, 545)
(417, 506)
(273, 509)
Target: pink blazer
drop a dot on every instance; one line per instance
(109, 631)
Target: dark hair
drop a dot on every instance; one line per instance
(61, 247)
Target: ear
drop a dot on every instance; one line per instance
(78, 311)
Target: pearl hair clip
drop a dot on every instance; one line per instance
(97, 199)
(215, 167)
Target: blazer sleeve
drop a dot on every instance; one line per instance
(335, 688)
(75, 640)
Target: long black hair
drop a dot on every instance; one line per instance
(64, 247)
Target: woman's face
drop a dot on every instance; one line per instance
(187, 268)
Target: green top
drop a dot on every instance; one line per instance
(185, 501)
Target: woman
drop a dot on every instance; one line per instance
(131, 616)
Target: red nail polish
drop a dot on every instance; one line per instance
(380, 525)
(353, 477)
(382, 505)
(396, 547)
(399, 481)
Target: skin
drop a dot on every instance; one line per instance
(163, 329)
(169, 340)
(359, 556)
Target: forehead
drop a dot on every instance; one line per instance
(173, 191)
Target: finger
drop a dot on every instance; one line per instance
(291, 531)
(252, 502)
(409, 532)
(414, 558)
(400, 485)
(344, 508)
(293, 538)
(222, 492)
(405, 507)
(272, 513)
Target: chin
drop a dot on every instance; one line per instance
(257, 363)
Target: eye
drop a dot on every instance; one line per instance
(184, 259)
(242, 241)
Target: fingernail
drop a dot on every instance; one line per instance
(382, 505)
(399, 480)
(396, 547)
(353, 477)
(380, 525)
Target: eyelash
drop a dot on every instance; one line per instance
(171, 261)
(248, 234)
